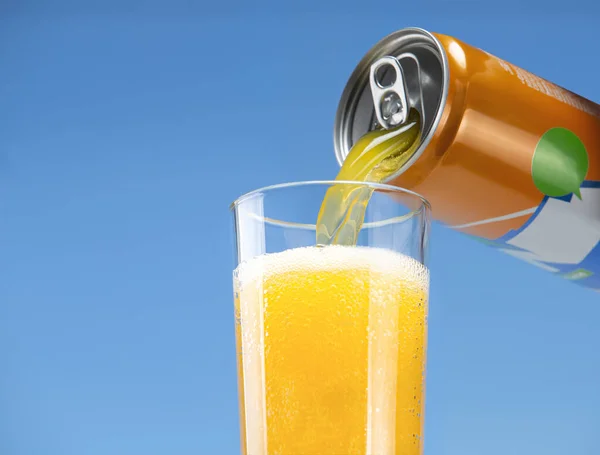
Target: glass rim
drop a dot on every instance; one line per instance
(375, 186)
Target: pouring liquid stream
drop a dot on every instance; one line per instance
(375, 157)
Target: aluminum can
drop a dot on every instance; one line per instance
(505, 156)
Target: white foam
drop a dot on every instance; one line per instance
(333, 257)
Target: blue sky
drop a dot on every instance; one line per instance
(125, 133)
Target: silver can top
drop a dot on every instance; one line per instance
(411, 64)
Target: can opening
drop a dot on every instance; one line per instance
(373, 94)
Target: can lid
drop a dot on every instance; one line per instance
(424, 67)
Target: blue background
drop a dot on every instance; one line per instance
(125, 132)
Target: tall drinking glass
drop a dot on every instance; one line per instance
(331, 339)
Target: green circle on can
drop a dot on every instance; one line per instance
(560, 163)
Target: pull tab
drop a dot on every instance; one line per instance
(390, 100)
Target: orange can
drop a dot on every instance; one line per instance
(505, 156)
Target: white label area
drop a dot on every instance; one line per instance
(563, 232)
